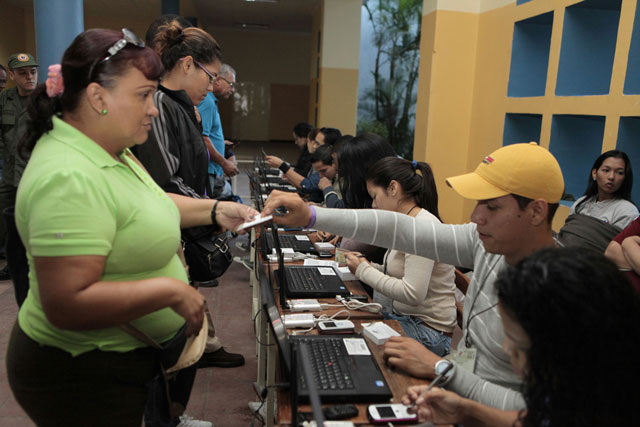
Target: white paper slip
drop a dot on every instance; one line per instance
(321, 262)
(283, 250)
(326, 271)
(356, 347)
(301, 237)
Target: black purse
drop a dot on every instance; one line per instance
(207, 254)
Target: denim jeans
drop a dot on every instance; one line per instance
(436, 341)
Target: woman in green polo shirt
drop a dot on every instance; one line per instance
(102, 240)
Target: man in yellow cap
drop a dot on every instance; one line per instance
(23, 70)
(518, 188)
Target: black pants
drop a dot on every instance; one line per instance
(97, 388)
(16, 256)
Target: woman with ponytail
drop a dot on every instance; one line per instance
(421, 289)
(101, 240)
(175, 154)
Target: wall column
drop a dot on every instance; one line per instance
(446, 83)
(337, 94)
(57, 23)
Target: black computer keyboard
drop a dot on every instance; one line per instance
(305, 279)
(329, 364)
(288, 241)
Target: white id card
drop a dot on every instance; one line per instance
(466, 358)
(356, 347)
(326, 271)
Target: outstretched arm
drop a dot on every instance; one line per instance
(194, 212)
(452, 244)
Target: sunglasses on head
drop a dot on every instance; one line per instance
(128, 37)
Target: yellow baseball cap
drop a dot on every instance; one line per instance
(525, 169)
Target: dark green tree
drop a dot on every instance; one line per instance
(390, 104)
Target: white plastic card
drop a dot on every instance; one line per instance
(356, 347)
(302, 237)
(320, 262)
(283, 251)
(326, 271)
(257, 220)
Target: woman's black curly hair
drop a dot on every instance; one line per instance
(583, 320)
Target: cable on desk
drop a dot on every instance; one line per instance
(353, 304)
(302, 255)
(263, 395)
(322, 318)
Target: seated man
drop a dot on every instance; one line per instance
(307, 185)
(325, 168)
(624, 251)
(517, 189)
(301, 133)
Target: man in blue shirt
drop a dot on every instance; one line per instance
(223, 88)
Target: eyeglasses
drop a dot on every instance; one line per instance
(212, 76)
(128, 36)
(232, 84)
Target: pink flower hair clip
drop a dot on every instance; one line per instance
(54, 83)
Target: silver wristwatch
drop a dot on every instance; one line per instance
(441, 366)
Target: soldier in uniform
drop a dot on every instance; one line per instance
(23, 70)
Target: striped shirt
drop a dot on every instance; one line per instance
(493, 383)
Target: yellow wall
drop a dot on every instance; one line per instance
(258, 56)
(262, 69)
(15, 38)
(445, 90)
(337, 102)
(462, 88)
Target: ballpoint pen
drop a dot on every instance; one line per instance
(437, 380)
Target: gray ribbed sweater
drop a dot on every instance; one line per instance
(493, 382)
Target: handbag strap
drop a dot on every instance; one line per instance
(141, 336)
